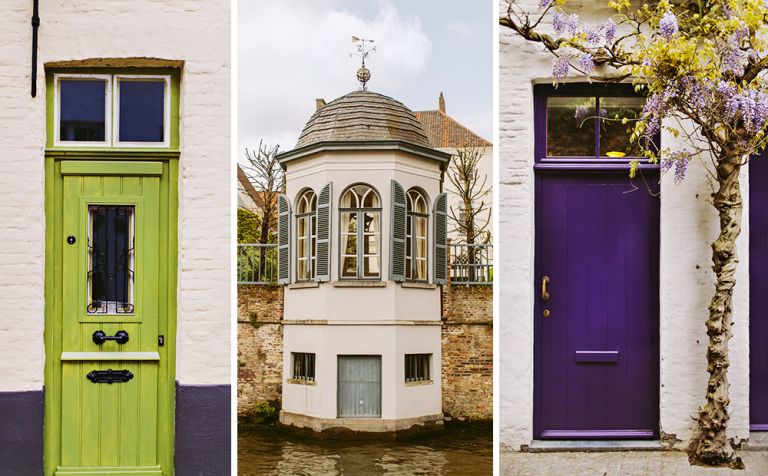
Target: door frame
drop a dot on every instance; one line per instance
(112, 161)
(543, 167)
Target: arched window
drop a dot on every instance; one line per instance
(306, 236)
(416, 236)
(360, 225)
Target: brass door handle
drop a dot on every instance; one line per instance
(544, 293)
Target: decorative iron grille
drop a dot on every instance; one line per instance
(257, 264)
(111, 250)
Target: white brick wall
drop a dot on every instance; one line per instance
(193, 31)
(688, 225)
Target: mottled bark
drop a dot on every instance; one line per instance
(710, 446)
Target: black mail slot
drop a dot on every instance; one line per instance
(109, 376)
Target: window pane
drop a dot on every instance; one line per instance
(614, 136)
(371, 266)
(371, 245)
(142, 111)
(349, 267)
(421, 269)
(570, 127)
(111, 259)
(82, 110)
(371, 221)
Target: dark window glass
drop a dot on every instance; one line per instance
(82, 110)
(303, 366)
(417, 367)
(142, 111)
(614, 136)
(570, 127)
(111, 254)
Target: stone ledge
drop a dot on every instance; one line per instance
(415, 285)
(304, 285)
(419, 383)
(363, 425)
(298, 381)
(359, 283)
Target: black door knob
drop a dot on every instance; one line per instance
(71, 240)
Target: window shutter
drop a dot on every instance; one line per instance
(397, 234)
(323, 251)
(441, 239)
(283, 240)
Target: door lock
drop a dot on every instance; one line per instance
(71, 239)
(99, 337)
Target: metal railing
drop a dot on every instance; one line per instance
(257, 264)
(471, 263)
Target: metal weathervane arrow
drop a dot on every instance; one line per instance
(363, 74)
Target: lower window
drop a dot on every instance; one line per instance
(417, 367)
(303, 366)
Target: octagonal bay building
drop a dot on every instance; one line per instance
(362, 253)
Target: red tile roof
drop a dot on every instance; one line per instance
(444, 131)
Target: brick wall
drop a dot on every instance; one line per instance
(467, 340)
(259, 345)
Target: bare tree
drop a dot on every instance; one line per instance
(263, 171)
(470, 221)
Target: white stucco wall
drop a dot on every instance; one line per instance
(398, 400)
(377, 170)
(688, 225)
(193, 31)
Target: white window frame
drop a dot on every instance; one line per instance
(166, 110)
(107, 78)
(112, 110)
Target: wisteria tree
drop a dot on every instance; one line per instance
(702, 64)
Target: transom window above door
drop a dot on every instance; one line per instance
(584, 126)
(111, 110)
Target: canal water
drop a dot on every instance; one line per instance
(460, 449)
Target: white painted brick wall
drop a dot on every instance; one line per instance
(193, 31)
(688, 225)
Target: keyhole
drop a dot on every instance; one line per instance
(71, 240)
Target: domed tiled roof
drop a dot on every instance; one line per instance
(363, 116)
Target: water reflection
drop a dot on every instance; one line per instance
(459, 450)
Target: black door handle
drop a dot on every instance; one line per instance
(99, 337)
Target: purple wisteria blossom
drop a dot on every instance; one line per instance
(609, 31)
(668, 25)
(558, 23)
(582, 112)
(594, 36)
(679, 161)
(560, 68)
(572, 24)
(544, 4)
(586, 63)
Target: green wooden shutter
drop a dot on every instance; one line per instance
(397, 234)
(323, 250)
(441, 239)
(283, 240)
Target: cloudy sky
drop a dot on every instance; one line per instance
(293, 52)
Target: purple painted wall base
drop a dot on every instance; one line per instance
(21, 433)
(203, 430)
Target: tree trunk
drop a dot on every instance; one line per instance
(710, 446)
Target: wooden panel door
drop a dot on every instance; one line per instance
(111, 363)
(596, 308)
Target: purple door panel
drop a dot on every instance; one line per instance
(596, 353)
(758, 295)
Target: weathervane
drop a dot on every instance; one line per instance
(363, 74)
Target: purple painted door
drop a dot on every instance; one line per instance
(758, 295)
(596, 323)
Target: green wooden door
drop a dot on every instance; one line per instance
(113, 394)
